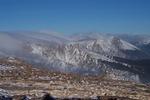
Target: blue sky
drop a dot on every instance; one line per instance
(73, 16)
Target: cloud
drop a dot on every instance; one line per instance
(8, 43)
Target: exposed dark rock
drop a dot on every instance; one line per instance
(48, 97)
(5, 98)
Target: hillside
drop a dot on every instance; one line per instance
(20, 78)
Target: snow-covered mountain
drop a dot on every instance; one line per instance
(136, 39)
(90, 54)
(141, 41)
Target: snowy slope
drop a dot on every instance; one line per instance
(110, 46)
(80, 57)
(141, 41)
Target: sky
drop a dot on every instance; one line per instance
(76, 16)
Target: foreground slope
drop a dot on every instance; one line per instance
(19, 78)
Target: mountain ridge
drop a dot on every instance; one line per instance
(89, 55)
